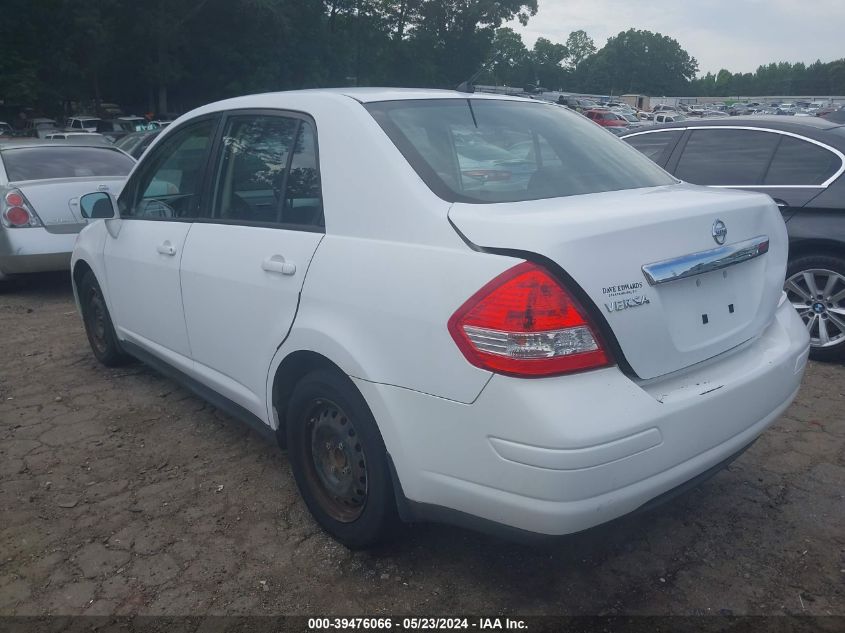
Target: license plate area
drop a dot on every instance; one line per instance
(706, 308)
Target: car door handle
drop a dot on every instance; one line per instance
(781, 204)
(277, 264)
(166, 249)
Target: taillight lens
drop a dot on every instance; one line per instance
(16, 212)
(18, 216)
(525, 323)
(14, 199)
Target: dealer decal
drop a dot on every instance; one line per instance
(624, 296)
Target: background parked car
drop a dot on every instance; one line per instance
(38, 127)
(79, 136)
(799, 162)
(669, 117)
(606, 118)
(40, 183)
(576, 103)
(114, 129)
(82, 124)
(135, 143)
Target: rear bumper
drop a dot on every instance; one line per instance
(34, 249)
(558, 455)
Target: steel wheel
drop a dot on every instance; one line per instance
(336, 465)
(96, 320)
(818, 294)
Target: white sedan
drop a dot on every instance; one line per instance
(532, 345)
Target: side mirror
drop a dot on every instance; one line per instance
(95, 206)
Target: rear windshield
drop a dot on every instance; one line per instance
(479, 150)
(40, 163)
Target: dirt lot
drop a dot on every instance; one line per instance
(122, 493)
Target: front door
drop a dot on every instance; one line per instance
(144, 247)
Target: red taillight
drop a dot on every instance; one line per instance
(14, 199)
(15, 212)
(524, 323)
(18, 216)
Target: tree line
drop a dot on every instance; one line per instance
(170, 55)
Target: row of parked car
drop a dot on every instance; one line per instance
(257, 254)
(109, 129)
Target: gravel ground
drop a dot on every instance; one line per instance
(122, 493)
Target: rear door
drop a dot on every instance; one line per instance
(800, 170)
(245, 262)
(144, 247)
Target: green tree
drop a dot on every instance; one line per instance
(579, 46)
(510, 58)
(547, 58)
(639, 61)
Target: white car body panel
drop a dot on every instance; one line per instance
(144, 283)
(225, 268)
(547, 458)
(374, 294)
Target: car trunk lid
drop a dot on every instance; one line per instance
(604, 240)
(56, 201)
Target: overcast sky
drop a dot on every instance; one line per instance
(739, 35)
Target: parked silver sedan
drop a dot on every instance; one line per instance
(40, 185)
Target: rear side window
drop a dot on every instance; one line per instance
(268, 172)
(798, 162)
(479, 150)
(41, 163)
(726, 157)
(653, 144)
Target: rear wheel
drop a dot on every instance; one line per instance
(815, 284)
(339, 460)
(98, 324)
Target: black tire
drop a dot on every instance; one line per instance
(819, 307)
(326, 409)
(98, 324)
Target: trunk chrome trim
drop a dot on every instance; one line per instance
(705, 261)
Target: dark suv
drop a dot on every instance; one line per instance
(799, 162)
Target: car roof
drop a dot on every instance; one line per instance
(362, 95)
(78, 141)
(86, 118)
(776, 122)
(816, 128)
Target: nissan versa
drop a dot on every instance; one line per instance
(446, 306)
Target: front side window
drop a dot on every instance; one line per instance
(480, 150)
(267, 173)
(798, 162)
(653, 144)
(726, 157)
(169, 183)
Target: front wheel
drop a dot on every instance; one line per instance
(815, 284)
(339, 460)
(98, 324)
